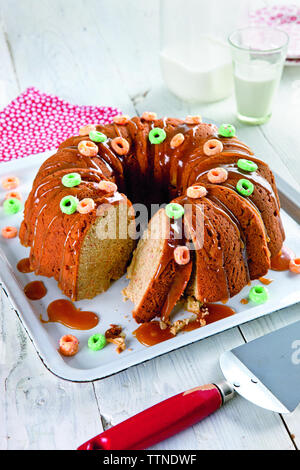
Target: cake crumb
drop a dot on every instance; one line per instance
(180, 324)
(116, 336)
(192, 305)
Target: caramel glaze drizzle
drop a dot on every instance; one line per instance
(158, 169)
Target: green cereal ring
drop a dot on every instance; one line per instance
(97, 136)
(246, 165)
(226, 130)
(97, 342)
(174, 210)
(157, 135)
(68, 204)
(259, 294)
(71, 179)
(245, 187)
(12, 206)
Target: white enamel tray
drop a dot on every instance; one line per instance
(88, 365)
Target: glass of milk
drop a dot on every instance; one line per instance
(258, 56)
(195, 56)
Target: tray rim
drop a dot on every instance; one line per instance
(57, 366)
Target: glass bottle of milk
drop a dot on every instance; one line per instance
(195, 57)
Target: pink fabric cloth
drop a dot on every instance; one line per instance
(285, 17)
(35, 122)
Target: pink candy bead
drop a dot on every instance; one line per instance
(13, 194)
(121, 119)
(108, 186)
(294, 265)
(120, 145)
(9, 232)
(196, 191)
(212, 147)
(217, 175)
(85, 130)
(86, 205)
(68, 345)
(88, 148)
(193, 119)
(182, 255)
(11, 182)
(149, 116)
(177, 140)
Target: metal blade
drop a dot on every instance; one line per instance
(266, 371)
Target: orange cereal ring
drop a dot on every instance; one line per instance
(13, 194)
(217, 175)
(193, 119)
(68, 345)
(149, 116)
(11, 182)
(122, 119)
(294, 265)
(88, 148)
(86, 205)
(85, 130)
(212, 147)
(107, 186)
(120, 145)
(9, 232)
(196, 191)
(182, 255)
(177, 140)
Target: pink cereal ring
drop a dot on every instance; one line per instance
(193, 119)
(9, 232)
(217, 175)
(88, 148)
(86, 205)
(177, 140)
(120, 145)
(182, 255)
(13, 194)
(294, 265)
(108, 186)
(196, 191)
(212, 147)
(11, 182)
(122, 119)
(68, 345)
(85, 130)
(149, 116)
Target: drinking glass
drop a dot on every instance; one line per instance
(258, 55)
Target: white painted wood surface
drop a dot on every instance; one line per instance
(106, 52)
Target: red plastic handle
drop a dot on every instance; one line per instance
(160, 421)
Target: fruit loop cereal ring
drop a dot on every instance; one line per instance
(68, 345)
(68, 205)
(97, 136)
(217, 175)
(174, 210)
(149, 116)
(258, 294)
(244, 187)
(12, 206)
(196, 191)
(14, 195)
(193, 119)
(182, 255)
(9, 232)
(85, 130)
(87, 148)
(97, 342)
(11, 182)
(121, 119)
(226, 130)
(157, 135)
(246, 165)
(120, 145)
(177, 140)
(86, 205)
(294, 266)
(212, 147)
(71, 179)
(107, 186)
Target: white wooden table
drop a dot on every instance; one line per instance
(106, 52)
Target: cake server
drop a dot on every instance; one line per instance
(265, 371)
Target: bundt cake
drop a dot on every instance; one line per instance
(219, 231)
